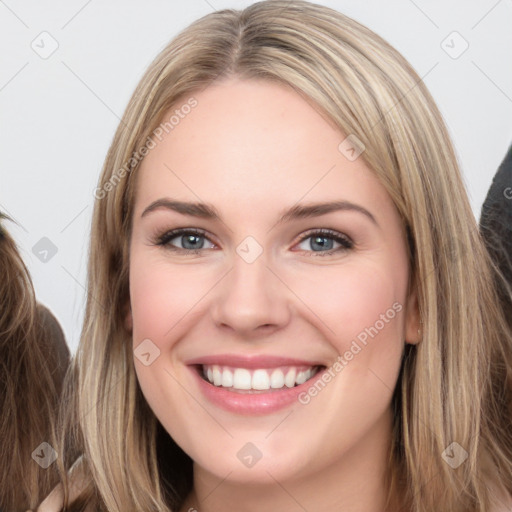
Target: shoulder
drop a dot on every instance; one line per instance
(54, 502)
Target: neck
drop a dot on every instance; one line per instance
(354, 483)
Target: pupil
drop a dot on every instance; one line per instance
(321, 241)
(191, 239)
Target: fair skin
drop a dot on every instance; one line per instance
(253, 149)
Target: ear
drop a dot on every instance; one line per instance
(412, 319)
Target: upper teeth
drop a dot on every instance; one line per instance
(243, 378)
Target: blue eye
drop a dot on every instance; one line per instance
(324, 240)
(193, 241)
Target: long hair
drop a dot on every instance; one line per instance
(454, 386)
(33, 359)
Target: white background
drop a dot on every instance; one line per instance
(58, 115)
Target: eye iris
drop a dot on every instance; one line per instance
(322, 242)
(186, 239)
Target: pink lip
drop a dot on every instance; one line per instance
(250, 404)
(238, 361)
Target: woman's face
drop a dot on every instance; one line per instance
(296, 271)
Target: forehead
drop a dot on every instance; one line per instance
(252, 144)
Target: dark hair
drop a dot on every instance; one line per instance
(33, 360)
(496, 229)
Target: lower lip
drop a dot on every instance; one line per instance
(252, 403)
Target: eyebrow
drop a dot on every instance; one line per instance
(300, 211)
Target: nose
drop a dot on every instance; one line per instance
(251, 299)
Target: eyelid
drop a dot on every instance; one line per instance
(341, 238)
(164, 238)
(329, 233)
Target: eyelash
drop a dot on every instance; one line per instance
(346, 243)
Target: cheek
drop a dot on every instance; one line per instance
(357, 299)
(161, 303)
(161, 297)
(361, 311)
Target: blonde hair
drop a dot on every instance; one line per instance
(33, 359)
(454, 386)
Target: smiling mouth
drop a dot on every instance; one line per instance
(244, 380)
